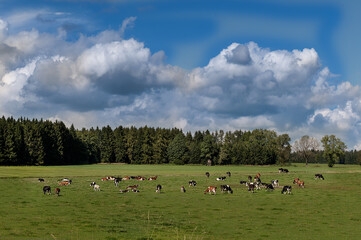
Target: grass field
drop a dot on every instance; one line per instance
(329, 209)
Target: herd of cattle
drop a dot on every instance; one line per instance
(253, 183)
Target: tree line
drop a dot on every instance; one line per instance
(43, 142)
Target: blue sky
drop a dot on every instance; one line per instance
(291, 66)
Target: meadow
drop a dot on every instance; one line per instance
(329, 209)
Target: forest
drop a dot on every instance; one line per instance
(43, 142)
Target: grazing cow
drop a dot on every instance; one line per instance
(211, 190)
(207, 174)
(269, 187)
(104, 179)
(133, 187)
(152, 178)
(159, 188)
(286, 189)
(64, 183)
(319, 176)
(296, 180)
(243, 182)
(228, 174)
(47, 189)
(226, 188)
(275, 183)
(249, 178)
(301, 184)
(183, 189)
(116, 181)
(220, 178)
(96, 187)
(41, 179)
(283, 170)
(123, 191)
(125, 178)
(57, 191)
(92, 184)
(251, 187)
(192, 183)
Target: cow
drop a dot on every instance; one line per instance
(283, 170)
(251, 187)
(319, 176)
(104, 179)
(183, 190)
(286, 190)
(110, 178)
(296, 180)
(152, 178)
(123, 191)
(133, 187)
(226, 188)
(140, 178)
(125, 178)
(96, 187)
(92, 184)
(116, 181)
(269, 187)
(47, 189)
(257, 179)
(275, 183)
(207, 174)
(301, 184)
(228, 174)
(64, 183)
(41, 179)
(243, 182)
(211, 190)
(57, 191)
(220, 178)
(249, 178)
(258, 175)
(65, 180)
(192, 183)
(159, 188)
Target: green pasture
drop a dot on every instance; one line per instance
(329, 209)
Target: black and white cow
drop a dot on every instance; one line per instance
(319, 176)
(41, 180)
(228, 174)
(220, 178)
(226, 188)
(286, 189)
(268, 187)
(116, 181)
(159, 188)
(47, 189)
(92, 184)
(275, 183)
(249, 178)
(251, 187)
(283, 170)
(243, 182)
(192, 183)
(207, 174)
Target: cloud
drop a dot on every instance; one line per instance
(106, 79)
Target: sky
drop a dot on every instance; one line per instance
(288, 66)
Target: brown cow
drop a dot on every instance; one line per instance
(57, 191)
(211, 190)
(152, 178)
(64, 183)
(133, 187)
(296, 180)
